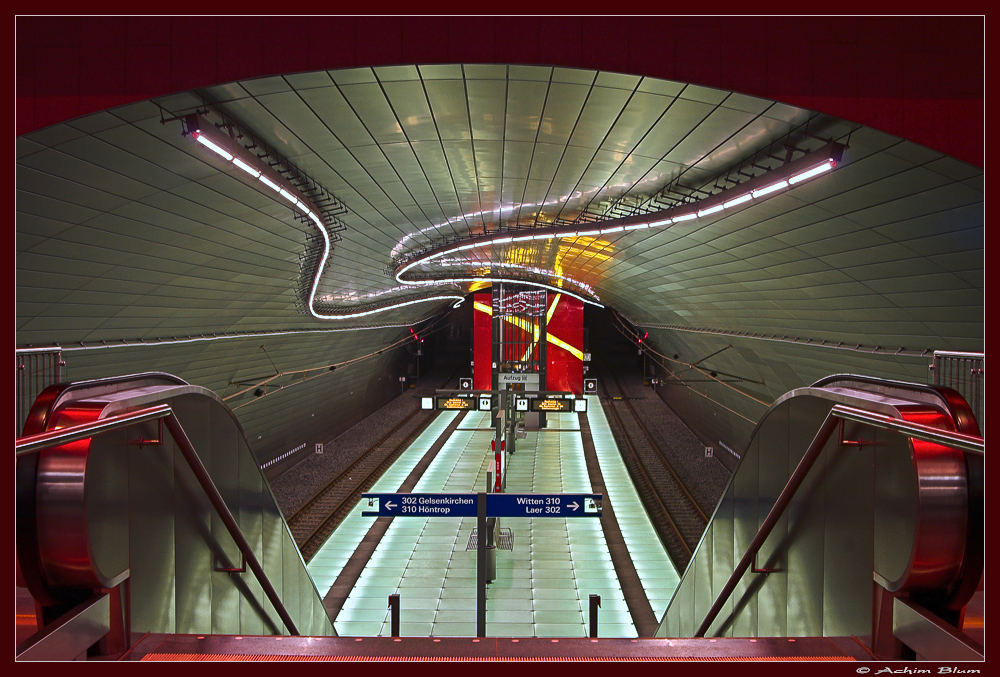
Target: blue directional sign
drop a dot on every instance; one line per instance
(543, 505)
(497, 505)
(420, 505)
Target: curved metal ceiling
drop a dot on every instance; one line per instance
(422, 156)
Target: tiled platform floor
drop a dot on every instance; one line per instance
(542, 586)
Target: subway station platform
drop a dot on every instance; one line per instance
(543, 585)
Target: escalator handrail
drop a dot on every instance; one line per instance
(967, 443)
(34, 443)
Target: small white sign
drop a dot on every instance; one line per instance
(426, 402)
(484, 404)
(521, 404)
(709, 452)
(516, 378)
(319, 447)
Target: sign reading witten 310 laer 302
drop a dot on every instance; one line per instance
(497, 505)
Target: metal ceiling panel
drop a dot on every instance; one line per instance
(888, 248)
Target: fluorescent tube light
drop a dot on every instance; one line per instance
(710, 210)
(203, 140)
(809, 173)
(269, 183)
(245, 167)
(737, 200)
(685, 217)
(767, 190)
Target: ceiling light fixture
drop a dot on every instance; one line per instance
(806, 167)
(207, 134)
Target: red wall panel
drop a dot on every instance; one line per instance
(482, 329)
(564, 371)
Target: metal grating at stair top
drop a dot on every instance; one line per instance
(542, 586)
(330, 559)
(656, 572)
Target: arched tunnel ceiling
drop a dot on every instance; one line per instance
(128, 229)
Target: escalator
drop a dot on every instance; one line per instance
(856, 510)
(141, 509)
(851, 530)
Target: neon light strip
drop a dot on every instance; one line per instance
(552, 308)
(530, 269)
(548, 318)
(304, 206)
(508, 280)
(830, 162)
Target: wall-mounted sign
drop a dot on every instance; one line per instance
(590, 386)
(465, 383)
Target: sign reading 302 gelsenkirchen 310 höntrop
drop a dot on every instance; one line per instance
(497, 505)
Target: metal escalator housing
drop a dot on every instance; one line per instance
(125, 503)
(875, 502)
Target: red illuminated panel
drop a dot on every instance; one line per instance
(482, 351)
(564, 369)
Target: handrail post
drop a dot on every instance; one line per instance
(784, 498)
(198, 468)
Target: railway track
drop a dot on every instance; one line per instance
(313, 523)
(676, 515)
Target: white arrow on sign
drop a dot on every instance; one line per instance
(574, 506)
(389, 505)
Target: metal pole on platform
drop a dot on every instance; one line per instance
(394, 614)
(595, 601)
(481, 564)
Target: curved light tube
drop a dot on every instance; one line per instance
(509, 280)
(346, 316)
(531, 269)
(807, 167)
(297, 202)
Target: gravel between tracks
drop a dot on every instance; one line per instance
(705, 478)
(300, 482)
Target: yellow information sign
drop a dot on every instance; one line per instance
(551, 405)
(456, 403)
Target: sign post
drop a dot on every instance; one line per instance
(481, 565)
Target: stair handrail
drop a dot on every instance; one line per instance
(34, 443)
(967, 443)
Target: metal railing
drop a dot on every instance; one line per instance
(35, 443)
(964, 372)
(35, 369)
(967, 443)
